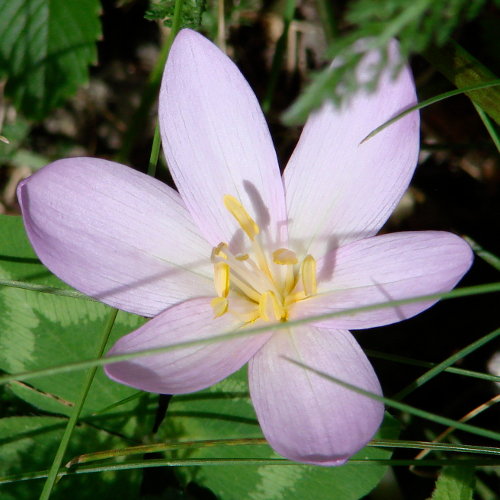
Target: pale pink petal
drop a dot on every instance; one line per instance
(115, 234)
(185, 369)
(304, 416)
(384, 268)
(216, 140)
(339, 190)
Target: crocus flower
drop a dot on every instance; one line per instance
(239, 246)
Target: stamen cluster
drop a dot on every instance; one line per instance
(259, 284)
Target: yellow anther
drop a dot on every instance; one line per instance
(219, 305)
(221, 279)
(237, 210)
(270, 308)
(218, 252)
(308, 273)
(284, 257)
(242, 256)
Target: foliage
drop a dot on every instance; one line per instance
(455, 483)
(228, 404)
(39, 330)
(46, 47)
(418, 24)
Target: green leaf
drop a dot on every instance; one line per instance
(28, 443)
(455, 483)
(39, 330)
(46, 47)
(225, 411)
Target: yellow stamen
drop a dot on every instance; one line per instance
(218, 252)
(259, 285)
(284, 257)
(293, 298)
(246, 289)
(221, 279)
(244, 310)
(269, 307)
(308, 273)
(241, 215)
(219, 305)
(261, 259)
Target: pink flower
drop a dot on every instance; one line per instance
(240, 246)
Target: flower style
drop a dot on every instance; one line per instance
(240, 246)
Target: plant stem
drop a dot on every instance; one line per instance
(155, 152)
(137, 123)
(445, 364)
(35, 287)
(326, 10)
(81, 365)
(490, 127)
(278, 55)
(63, 445)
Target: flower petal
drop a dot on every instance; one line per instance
(304, 416)
(216, 140)
(339, 190)
(185, 369)
(384, 268)
(115, 234)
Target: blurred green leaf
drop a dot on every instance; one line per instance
(225, 411)
(29, 443)
(14, 132)
(46, 47)
(419, 25)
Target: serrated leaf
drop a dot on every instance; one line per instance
(455, 483)
(46, 47)
(28, 444)
(191, 13)
(225, 411)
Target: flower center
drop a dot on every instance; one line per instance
(260, 284)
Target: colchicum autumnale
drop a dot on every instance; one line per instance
(238, 245)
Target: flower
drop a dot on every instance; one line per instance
(238, 246)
